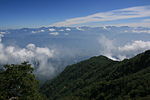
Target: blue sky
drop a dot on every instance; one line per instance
(36, 13)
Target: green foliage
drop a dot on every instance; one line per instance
(100, 78)
(18, 81)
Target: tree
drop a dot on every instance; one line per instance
(18, 81)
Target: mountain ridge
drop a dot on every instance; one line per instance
(100, 78)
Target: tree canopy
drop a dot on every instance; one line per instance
(17, 81)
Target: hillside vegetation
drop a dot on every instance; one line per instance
(17, 82)
(100, 78)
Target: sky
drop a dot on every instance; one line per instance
(38, 13)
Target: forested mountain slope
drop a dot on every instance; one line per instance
(100, 78)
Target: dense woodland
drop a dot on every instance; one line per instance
(17, 82)
(98, 78)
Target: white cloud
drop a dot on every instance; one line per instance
(45, 51)
(109, 48)
(39, 31)
(25, 53)
(54, 33)
(42, 31)
(31, 46)
(135, 46)
(52, 29)
(31, 53)
(68, 29)
(132, 12)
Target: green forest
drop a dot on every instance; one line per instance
(17, 82)
(97, 78)
(100, 78)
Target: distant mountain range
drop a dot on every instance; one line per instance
(100, 78)
(63, 35)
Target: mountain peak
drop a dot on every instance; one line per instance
(100, 78)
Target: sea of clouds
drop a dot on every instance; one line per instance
(40, 57)
(35, 55)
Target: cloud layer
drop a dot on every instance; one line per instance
(45, 59)
(127, 13)
(112, 51)
(38, 56)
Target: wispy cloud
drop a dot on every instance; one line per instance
(126, 13)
